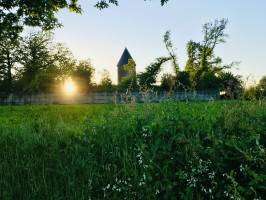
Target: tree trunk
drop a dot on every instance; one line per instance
(9, 73)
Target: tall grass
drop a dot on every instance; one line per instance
(170, 150)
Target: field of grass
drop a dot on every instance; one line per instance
(170, 150)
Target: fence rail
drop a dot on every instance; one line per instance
(103, 98)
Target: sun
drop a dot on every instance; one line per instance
(69, 86)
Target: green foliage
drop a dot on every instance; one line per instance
(9, 57)
(16, 14)
(129, 82)
(40, 66)
(232, 85)
(38, 69)
(82, 75)
(202, 64)
(169, 47)
(204, 70)
(102, 4)
(170, 150)
(183, 81)
(251, 93)
(208, 80)
(167, 82)
(148, 78)
(262, 86)
(106, 82)
(256, 92)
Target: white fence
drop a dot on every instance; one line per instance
(103, 98)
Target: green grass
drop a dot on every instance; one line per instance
(171, 150)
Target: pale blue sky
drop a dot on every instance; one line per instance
(138, 25)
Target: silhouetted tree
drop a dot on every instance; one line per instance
(261, 87)
(43, 64)
(9, 57)
(148, 78)
(15, 14)
(168, 82)
(106, 82)
(182, 81)
(38, 70)
(202, 64)
(252, 93)
(82, 75)
(169, 47)
(231, 84)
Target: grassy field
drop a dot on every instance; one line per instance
(196, 150)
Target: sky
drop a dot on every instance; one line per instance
(140, 25)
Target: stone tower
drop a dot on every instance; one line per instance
(122, 62)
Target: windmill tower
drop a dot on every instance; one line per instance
(122, 62)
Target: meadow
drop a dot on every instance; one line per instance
(168, 150)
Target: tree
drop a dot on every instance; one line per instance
(202, 64)
(169, 47)
(44, 65)
(207, 80)
(252, 93)
(182, 81)
(9, 57)
(261, 87)
(130, 81)
(256, 91)
(82, 75)
(168, 82)
(15, 14)
(38, 69)
(231, 84)
(106, 3)
(64, 61)
(106, 82)
(148, 78)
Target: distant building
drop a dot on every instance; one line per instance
(122, 62)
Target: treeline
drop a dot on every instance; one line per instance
(36, 64)
(203, 70)
(257, 91)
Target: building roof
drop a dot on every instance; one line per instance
(124, 58)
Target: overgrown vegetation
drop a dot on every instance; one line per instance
(196, 150)
(256, 91)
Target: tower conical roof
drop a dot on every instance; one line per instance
(124, 58)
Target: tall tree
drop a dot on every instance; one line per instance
(37, 63)
(9, 57)
(231, 84)
(202, 64)
(148, 78)
(106, 82)
(43, 64)
(82, 75)
(169, 47)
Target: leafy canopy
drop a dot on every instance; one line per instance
(15, 14)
